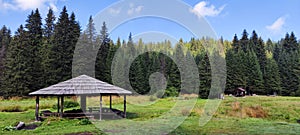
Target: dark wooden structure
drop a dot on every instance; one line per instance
(82, 86)
(239, 92)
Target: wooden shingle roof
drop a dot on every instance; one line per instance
(81, 85)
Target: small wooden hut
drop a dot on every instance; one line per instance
(239, 92)
(82, 86)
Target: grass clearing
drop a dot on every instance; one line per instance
(249, 115)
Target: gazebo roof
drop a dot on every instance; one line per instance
(241, 89)
(81, 85)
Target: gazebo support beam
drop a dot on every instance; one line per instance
(124, 106)
(100, 111)
(37, 106)
(110, 102)
(62, 107)
(83, 103)
(58, 106)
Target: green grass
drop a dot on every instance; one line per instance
(234, 116)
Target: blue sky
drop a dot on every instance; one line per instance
(270, 18)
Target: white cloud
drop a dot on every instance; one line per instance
(277, 26)
(203, 9)
(53, 7)
(114, 11)
(134, 9)
(28, 5)
(5, 5)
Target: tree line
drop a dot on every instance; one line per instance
(39, 55)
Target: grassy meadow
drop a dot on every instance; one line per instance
(249, 115)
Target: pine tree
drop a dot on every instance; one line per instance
(272, 77)
(288, 62)
(66, 33)
(286, 43)
(253, 73)
(235, 43)
(205, 76)
(293, 42)
(277, 51)
(58, 50)
(244, 41)
(33, 50)
(16, 69)
(86, 51)
(174, 79)
(270, 46)
(49, 26)
(101, 67)
(254, 42)
(91, 30)
(48, 32)
(72, 36)
(5, 39)
(257, 45)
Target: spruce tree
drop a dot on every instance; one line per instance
(293, 42)
(101, 66)
(5, 39)
(66, 34)
(72, 36)
(272, 77)
(205, 76)
(86, 51)
(33, 50)
(253, 73)
(244, 41)
(235, 43)
(49, 26)
(270, 46)
(48, 32)
(16, 68)
(58, 49)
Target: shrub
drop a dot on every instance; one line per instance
(256, 112)
(70, 104)
(152, 98)
(15, 108)
(160, 93)
(293, 94)
(67, 104)
(15, 98)
(185, 112)
(245, 111)
(197, 111)
(297, 93)
(84, 122)
(171, 92)
(236, 106)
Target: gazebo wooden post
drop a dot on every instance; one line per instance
(62, 107)
(100, 111)
(110, 102)
(83, 102)
(37, 101)
(124, 106)
(58, 106)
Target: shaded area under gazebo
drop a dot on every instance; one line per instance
(82, 86)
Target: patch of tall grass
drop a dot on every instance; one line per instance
(13, 108)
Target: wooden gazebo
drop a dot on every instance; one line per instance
(239, 92)
(82, 86)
